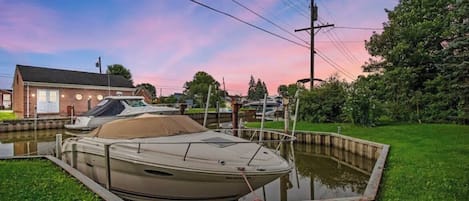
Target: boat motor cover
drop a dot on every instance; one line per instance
(148, 126)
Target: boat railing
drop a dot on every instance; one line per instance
(252, 132)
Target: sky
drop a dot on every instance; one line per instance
(165, 42)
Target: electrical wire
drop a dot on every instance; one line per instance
(252, 25)
(357, 28)
(273, 23)
(334, 65)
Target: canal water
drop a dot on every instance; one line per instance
(319, 173)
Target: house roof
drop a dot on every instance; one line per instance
(51, 75)
(5, 91)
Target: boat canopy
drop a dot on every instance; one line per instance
(105, 108)
(148, 126)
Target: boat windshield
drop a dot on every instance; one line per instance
(135, 103)
(107, 107)
(103, 102)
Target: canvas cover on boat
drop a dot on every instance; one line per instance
(147, 126)
(108, 107)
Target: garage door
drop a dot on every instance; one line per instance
(47, 101)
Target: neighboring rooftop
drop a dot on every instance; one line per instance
(51, 75)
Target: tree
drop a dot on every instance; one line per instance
(257, 89)
(422, 58)
(197, 89)
(282, 90)
(252, 88)
(150, 88)
(361, 106)
(118, 69)
(325, 103)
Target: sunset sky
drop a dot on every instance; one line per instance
(165, 42)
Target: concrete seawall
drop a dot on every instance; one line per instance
(334, 141)
(52, 123)
(31, 124)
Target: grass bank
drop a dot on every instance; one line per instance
(39, 179)
(6, 115)
(426, 161)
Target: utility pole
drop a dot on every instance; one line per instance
(98, 64)
(314, 17)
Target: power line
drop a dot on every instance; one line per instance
(276, 14)
(292, 5)
(340, 48)
(344, 41)
(344, 46)
(337, 42)
(252, 25)
(334, 65)
(358, 28)
(273, 23)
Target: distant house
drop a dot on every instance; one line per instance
(54, 91)
(140, 91)
(5, 99)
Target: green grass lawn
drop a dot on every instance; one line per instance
(7, 115)
(199, 110)
(39, 179)
(426, 161)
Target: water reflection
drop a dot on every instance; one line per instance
(25, 143)
(319, 173)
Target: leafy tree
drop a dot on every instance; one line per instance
(257, 89)
(421, 56)
(252, 88)
(119, 69)
(197, 89)
(282, 90)
(169, 99)
(325, 103)
(361, 105)
(150, 88)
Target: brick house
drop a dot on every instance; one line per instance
(140, 91)
(52, 92)
(5, 99)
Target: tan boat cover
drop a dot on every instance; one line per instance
(147, 126)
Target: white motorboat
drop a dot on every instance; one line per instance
(117, 107)
(271, 107)
(161, 157)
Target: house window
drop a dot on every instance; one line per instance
(47, 101)
(7, 100)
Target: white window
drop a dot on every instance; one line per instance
(7, 100)
(47, 101)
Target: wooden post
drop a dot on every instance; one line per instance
(234, 118)
(218, 114)
(182, 108)
(286, 114)
(58, 146)
(107, 166)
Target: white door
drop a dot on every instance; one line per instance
(47, 101)
(7, 100)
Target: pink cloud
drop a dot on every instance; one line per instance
(25, 27)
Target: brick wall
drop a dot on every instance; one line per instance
(67, 97)
(18, 100)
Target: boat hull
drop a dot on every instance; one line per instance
(138, 180)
